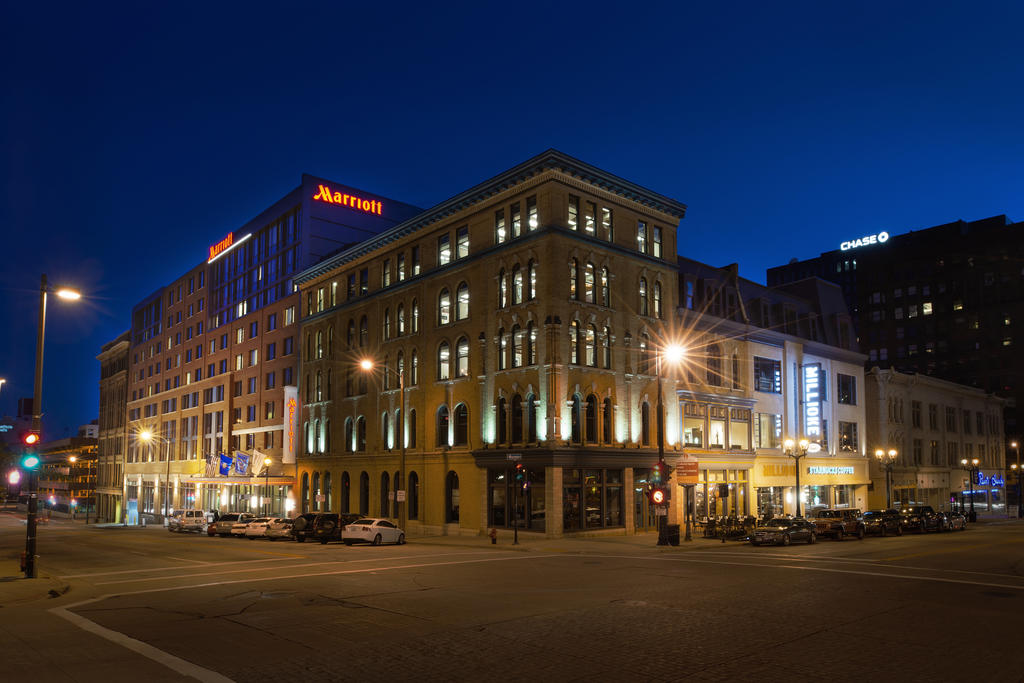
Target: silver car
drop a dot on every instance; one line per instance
(224, 523)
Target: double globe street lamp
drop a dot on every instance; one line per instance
(673, 354)
(796, 450)
(887, 459)
(1017, 470)
(401, 496)
(971, 466)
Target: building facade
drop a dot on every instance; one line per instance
(213, 357)
(946, 301)
(113, 359)
(764, 365)
(934, 425)
(67, 475)
(513, 325)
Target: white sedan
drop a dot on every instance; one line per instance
(279, 527)
(239, 529)
(373, 531)
(257, 528)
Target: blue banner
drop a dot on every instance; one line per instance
(241, 464)
(225, 464)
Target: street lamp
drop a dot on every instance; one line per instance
(367, 365)
(266, 481)
(148, 436)
(37, 415)
(971, 467)
(1020, 504)
(797, 450)
(672, 353)
(887, 459)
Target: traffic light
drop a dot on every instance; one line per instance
(520, 473)
(658, 472)
(657, 495)
(30, 461)
(30, 438)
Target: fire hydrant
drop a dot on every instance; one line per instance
(494, 536)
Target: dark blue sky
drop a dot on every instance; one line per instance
(133, 137)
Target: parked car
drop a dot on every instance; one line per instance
(222, 527)
(372, 530)
(921, 518)
(782, 531)
(238, 528)
(321, 526)
(839, 523)
(279, 527)
(188, 520)
(955, 521)
(883, 522)
(257, 528)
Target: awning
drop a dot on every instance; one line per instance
(240, 481)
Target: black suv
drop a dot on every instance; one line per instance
(883, 522)
(322, 526)
(922, 518)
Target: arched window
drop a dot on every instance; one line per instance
(400, 320)
(305, 492)
(364, 332)
(320, 441)
(645, 354)
(462, 302)
(736, 379)
(329, 392)
(714, 366)
(517, 285)
(327, 435)
(588, 284)
(531, 343)
(415, 316)
(576, 418)
(350, 336)
(386, 331)
(385, 431)
(328, 494)
(657, 299)
(308, 385)
(319, 393)
(308, 429)
(444, 357)
(501, 423)
(346, 493)
(606, 348)
(642, 292)
(350, 444)
(385, 481)
(517, 346)
(411, 439)
(442, 426)
(517, 419)
(502, 349)
(645, 423)
(350, 387)
(361, 433)
(319, 344)
(606, 422)
(591, 346)
(461, 425)
(330, 341)
(606, 298)
(451, 497)
(397, 483)
(502, 289)
(574, 341)
(591, 420)
(444, 307)
(531, 281)
(316, 492)
(462, 357)
(309, 346)
(364, 494)
(573, 276)
(413, 496)
(414, 369)
(385, 375)
(531, 418)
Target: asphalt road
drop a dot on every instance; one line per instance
(148, 605)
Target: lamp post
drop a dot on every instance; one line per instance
(266, 481)
(366, 365)
(672, 353)
(1016, 467)
(972, 468)
(887, 459)
(37, 415)
(797, 450)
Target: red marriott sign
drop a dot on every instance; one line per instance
(324, 194)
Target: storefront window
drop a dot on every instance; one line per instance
(816, 498)
(721, 493)
(767, 430)
(693, 424)
(770, 501)
(739, 429)
(844, 496)
(716, 432)
(506, 494)
(591, 499)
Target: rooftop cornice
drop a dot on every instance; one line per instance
(550, 160)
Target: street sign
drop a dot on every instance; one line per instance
(514, 456)
(661, 511)
(687, 471)
(401, 496)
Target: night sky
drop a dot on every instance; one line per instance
(132, 137)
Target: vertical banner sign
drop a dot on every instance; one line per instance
(225, 464)
(812, 402)
(241, 463)
(291, 423)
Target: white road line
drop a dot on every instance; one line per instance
(185, 559)
(187, 668)
(172, 568)
(937, 579)
(183, 667)
(259, 569)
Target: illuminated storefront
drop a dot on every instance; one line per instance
(825, 482)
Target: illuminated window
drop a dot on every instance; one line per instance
(517, 220)
(415, 260)
(642, 292)
(444, 307)
(590, 219)
(606, 223)
(517, 285)
(401, 267)
(574, 212)
(657, 299)
(500, 234)
(462, 242)
(532, 221)
(588, 283)
(656, 242)
(462, 357)
(444, 355)
(926, 308)
(462, 302)
(517, 346)
(573, 275)
(531, 281)
(385, 273)
(444, 250)
(641, 237)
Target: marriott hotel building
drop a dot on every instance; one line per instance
(213, 356)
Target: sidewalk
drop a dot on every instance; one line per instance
(533, 542)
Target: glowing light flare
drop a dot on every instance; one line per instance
(14, 477)
(673, 353)
(366, 364)
(658, 496)
(69, 294)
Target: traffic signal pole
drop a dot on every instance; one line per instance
(37, 414)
